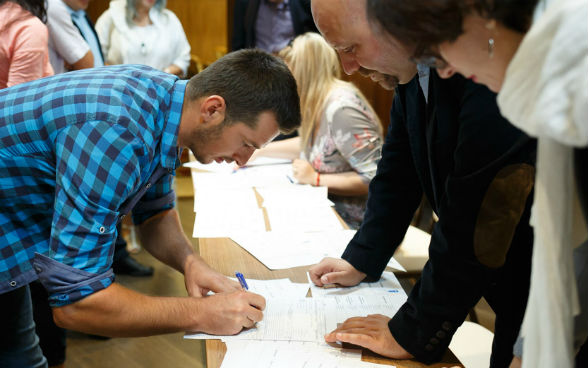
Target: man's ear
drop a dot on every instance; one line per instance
(212, 110)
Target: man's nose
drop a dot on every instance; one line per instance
(446, 72)
(243, 155)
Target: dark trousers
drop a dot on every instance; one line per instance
(19, 345)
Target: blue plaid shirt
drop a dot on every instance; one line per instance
(78, 151)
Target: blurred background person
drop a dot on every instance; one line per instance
(535, 54)
(73, 43)
(24, 54)
(340, 139)
(144, 32)
(270, 24)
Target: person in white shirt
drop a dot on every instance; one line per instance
(67, 48)
(134, 31)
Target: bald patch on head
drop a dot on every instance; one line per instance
(331, 16)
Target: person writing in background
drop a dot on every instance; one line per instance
(340, 140)
(144, 32)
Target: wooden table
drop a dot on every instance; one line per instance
(226, 257)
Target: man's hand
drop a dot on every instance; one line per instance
(335, 271)
(200, 278)
(372, 333)
(303, 172)
(229, 313)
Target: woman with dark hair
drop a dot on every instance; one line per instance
(436, 29)
(536, 56)
(24, 54)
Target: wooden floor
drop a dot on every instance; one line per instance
(146, 352)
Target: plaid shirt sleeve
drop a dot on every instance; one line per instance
(160, 197)
(97, 168)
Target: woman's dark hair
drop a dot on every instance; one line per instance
(424, 24)
(35, 7)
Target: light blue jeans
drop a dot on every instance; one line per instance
(19, 345)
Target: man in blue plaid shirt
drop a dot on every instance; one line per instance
(79, 150)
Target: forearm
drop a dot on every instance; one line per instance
(120, 312)
(347, 183)
(87, 61)
(174, 69)
(287, 148)
(163, 237)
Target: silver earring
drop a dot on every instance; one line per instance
(490, 47)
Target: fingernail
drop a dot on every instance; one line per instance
(324, 280)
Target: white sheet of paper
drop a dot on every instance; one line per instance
(303, 219)
(225, 222)
(290, 354)
(214, 167)
(278, 288)
(393, 263)
(309, 319)
(388, 284)
(279, 250)
(263, 161)
(255, 176)
(294, 196)
(207, 198)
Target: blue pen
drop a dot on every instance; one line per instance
(242, 281)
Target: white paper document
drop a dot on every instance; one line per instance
(213, 167)
(294, 196)
(290, 354)
(245, 177)
(286, 249)
(309, 319)
(264, 161)
(278, 288)
(388, 284)
(303, 219)
(207, 198)
(223, 222)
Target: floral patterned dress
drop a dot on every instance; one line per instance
(347, 139)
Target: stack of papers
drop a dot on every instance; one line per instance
(289, 317)
(292, 331)
(225, 202)
(291, 354)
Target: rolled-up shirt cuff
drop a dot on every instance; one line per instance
(66, 284)
(145, 209)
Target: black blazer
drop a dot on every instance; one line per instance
(477, 172)
(245, 14)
